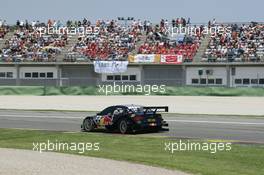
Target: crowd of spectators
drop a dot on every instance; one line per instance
(159, 41)
(115, 40)
(243, 43)
(28, 44)
(111, 41)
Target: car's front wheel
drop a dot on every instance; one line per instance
(123, 126)
(88, 125)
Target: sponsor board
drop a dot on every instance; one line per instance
(144, 58)
(110, 66)
(171, 59)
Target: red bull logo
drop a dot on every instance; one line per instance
(106, 120)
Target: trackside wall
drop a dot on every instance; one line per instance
(228, 75)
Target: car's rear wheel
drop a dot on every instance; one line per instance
(88, 125)
(123, 126)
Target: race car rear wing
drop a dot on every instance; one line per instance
(156, 108)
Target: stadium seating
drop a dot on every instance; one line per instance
(27, 45)
(112, 42)
(116, 41)
(244, 43)
(158, 41)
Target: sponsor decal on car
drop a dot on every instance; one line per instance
(105, 120)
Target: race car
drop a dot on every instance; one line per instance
(127, 118)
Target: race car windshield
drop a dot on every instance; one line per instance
(137, 110)
(141, 110)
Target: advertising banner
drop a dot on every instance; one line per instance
(171, 59)
(112, 67)
(144, 58)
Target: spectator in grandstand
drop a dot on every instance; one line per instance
(3, 29)
(213, 22)
(173, 22)
(189, 21)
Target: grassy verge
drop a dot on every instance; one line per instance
(92, 90)
(241, 160)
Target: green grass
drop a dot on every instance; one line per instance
(92, 90)
(241, 160)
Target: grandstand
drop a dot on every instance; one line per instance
(233, 59)
(24, 44)
(245, 43)
(114, 41)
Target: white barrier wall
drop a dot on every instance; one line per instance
(206, 76)
(247, 76)
(171, 75)
(38, 72)
(133, 74)
(8, 72)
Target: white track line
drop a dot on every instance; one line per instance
(179, 121)
(39, 116)
(215, 122)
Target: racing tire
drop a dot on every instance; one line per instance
(88, 125)
(123, 126)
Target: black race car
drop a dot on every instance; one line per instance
(126, 118)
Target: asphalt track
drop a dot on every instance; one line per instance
(239, 128)
(177, 104)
